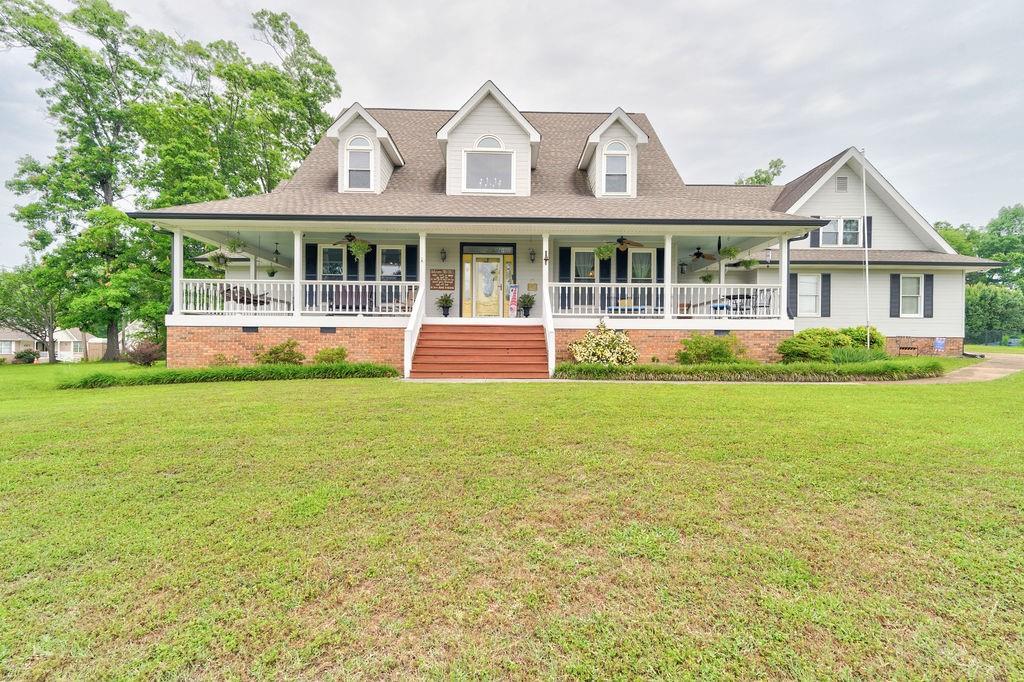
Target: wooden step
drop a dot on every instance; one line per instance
(480, 352)
(488, 374)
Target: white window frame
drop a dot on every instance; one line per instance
(572, 265)
(380, 261)
(488, 150)
(839, 232)
(629, 265)
(920, 295)
(6, 343)
(344, 262)
(817, 293)
(77, 347)
(372, 151)
(604, 169)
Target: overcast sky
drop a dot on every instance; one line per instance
(934, 91)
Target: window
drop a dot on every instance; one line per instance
(616, 168)
(332, 262)
(641, 266)
(358, 153)
(842, 183)
(76, 347)
(6, 347)
(584, 265)
(489, 167)
(392, 263)
(841, 232)
(911, 290)
(808, 291)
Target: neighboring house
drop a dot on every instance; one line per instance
(12, 341)
(74, 345)
(394, 208)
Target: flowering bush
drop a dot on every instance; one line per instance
(604, 346)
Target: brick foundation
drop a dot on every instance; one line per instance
(663, 343)
(922, 345)
(200, 346)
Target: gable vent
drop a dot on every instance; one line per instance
(842, 182)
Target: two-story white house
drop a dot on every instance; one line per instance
(396, 210)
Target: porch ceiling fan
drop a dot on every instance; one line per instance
(699, 254)
(624, 243)
(349, 238)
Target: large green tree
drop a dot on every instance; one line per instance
(31, 301)
(763, 176)
(993, 308)
(1003, 240)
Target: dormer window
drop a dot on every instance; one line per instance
(489, 167)
(358, 157)
(616, 168)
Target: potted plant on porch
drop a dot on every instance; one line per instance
(526, 302)
(444, 302)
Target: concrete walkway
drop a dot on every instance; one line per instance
(994, 366)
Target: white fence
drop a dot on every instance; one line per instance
(236, 296)
(359, 298)
(686, 301)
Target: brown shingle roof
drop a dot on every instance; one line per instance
(417, 190)
(797, 187)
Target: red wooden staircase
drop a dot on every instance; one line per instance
(462, 351)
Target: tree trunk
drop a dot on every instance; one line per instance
(51, 345)
(110, 352)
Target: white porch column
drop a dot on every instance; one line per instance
(545, 273)
(423, 263)
(177, 269)
(667, 269)
(721, 269)
(297, 269)
(784, 276)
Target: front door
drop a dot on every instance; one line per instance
(487, 273)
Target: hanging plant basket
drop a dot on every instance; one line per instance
(605, 251)
(707, 278)
(358, 248)
(749, 263)
(271, 272)
(728, 252)
(236, 244)
(218, 259)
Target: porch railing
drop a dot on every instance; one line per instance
(236, 296)
(358, 297)
(687, 301)
(726, 300)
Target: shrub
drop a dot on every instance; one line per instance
(221, 360)
(604, 346)
(3, 361)
(813, 344)
(859, 336)
(25, 357)
(879, 370)
(858, 354)
(144, 353)
(705, 348)
(345, 370)
(330, 356)
(286, 353)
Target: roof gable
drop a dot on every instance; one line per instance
(489, 89)
(617, 116)
(357, 111)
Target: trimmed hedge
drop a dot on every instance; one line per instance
(880, 370)
(344, 370)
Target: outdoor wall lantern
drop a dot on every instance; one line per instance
(444, 254)
(533, 254)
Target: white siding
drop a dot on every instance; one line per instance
(488, 118)
(382, 168)
(848, 303)
(595, 171)
(888, 231)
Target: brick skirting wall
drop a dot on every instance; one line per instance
(200, 346)
(663, 343)
(922, 345)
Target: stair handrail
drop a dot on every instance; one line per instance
(412, 329)
(549, 331)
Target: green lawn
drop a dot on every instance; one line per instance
(978, 348)
(380, 529)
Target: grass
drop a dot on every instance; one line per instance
(205, 375)
(895, 369)
(367, 529)
(978, 348)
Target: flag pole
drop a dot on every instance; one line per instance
(864, 236)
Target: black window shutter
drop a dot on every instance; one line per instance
(894, 295)
(826, 294)
(791, 296)
(621, 265)
(352, 263)
(659, 266)
(815, 235)
(311, 254)
(412, 262)
(867, 230)
(370, 263)
(604, 270)
(929, 295)
(564, 264)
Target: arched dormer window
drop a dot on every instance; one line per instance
(358, 157)
(616, 168)
(490, 168)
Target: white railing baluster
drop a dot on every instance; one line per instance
(695, 301)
